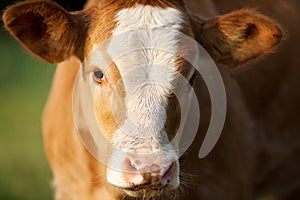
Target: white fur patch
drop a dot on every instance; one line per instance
(148, 72)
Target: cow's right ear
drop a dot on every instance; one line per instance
(46, 29)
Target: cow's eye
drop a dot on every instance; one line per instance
(98, 75)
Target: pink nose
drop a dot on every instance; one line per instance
(157, 174)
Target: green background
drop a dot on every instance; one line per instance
(24, 86)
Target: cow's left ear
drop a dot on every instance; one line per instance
(46, 29)
(237, 37)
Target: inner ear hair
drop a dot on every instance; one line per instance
(46, 29)
(237, 37)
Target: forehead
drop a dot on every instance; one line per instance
(144, 37)
(106, 15)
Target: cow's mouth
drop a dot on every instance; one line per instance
(144, 187)
(148, 192)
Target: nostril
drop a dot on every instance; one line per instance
(169, 174)
(132, 174)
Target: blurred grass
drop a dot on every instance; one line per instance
(24, 86)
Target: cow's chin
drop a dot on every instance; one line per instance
(151, 193)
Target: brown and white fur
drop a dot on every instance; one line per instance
(72, 39)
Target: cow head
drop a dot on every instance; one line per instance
(131, 96)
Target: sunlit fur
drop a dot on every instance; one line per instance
(147, 76)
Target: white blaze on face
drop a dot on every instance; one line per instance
(148, 72)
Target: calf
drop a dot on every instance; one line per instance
(122, 91)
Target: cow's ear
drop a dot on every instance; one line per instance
(46, 29)
(237, 37)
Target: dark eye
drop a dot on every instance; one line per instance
(98, 75)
